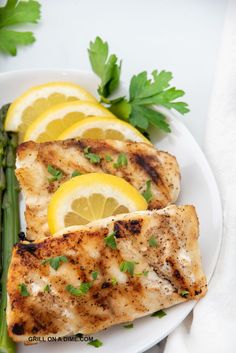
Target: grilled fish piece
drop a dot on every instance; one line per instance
(157, 250)
(144, 163)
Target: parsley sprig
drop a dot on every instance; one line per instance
(144, 91)
(14, 13)
(105, 66)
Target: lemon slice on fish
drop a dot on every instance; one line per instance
(49, 125)
(36, 100)
(103, 128)
(90, 197)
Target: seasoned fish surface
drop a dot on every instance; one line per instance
(162, 245)
(144, 163)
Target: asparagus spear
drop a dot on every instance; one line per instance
(10, 231)
(3, 142)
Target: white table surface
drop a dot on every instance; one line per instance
(182, 36)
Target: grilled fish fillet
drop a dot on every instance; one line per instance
(164, 275)
(144, 163)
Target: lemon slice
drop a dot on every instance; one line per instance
(103, 128)
(49, 125)
(89, 197)
(37, 99)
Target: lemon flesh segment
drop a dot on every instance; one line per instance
(52, 123)
(103, 128)
(36, 100)
(89, 197)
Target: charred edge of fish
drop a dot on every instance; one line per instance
(22, 237)
(144, 162)
(18, 329)
(197, 292)
(122, 227)
(81, 144)
(106, 285)
(31, 248)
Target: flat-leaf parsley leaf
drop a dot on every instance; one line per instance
(83, 288)
(92, 157)
(110, 240)
(56, 173)
(95, 343)
(145, 91)
(122, 161)
(106, 67)
(128, 266)
(159, 313)
(55, 262)
(23, 290)
(147, 194)
(14, 13)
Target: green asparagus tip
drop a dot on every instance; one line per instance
(10, 158)
(13, 140)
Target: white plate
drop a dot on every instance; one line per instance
(198, 188)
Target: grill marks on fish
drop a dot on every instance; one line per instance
(144, 163)
(172, 266)
(123, 228)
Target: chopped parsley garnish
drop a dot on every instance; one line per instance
(23, 290)
(75, 173)
(108, 158)
(147, 194)
(128, 266)
(55, 262)
(110, 240)
(47, 289)
(94, 275)
(122, 161)
(129, 326)
(152, 242)
(83, 288)
(114, 281)
(159, 313)
(92, 157)
(56, 173)
(95, 343)
(144, 273)
(184, 293)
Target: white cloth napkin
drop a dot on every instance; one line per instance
(211, 327)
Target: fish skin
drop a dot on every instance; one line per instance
(144, 163)
(173, 266)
